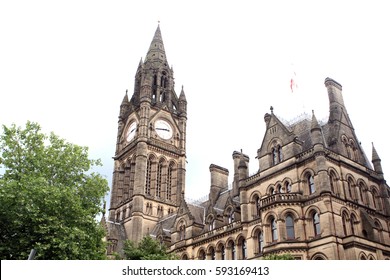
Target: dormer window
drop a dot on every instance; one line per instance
(211, 223)
(276, 153)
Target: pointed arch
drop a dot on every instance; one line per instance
(160, 180)
(313, 215)
(307, 178)
(256, 204)
(376, 198)
(258, 239)
(171, 180)
(151, 161)
(221, 250)
(334, 178)
(242, 247)
(201, 254)
(351, 187)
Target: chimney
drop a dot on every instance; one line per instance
(336, 101)
(219, 181)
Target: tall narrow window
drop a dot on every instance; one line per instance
(260, 240)
(169, 182)
(290, 227)
(345, 224)
(274, 156)
(159, 179)
(212, 253)
(148, 176)
(202, 255)
(223, 252)
(182, 231)
(316, 224)
(257, 206)
(274, 230)
(350, 191)
(231, 216)
(332, 182)
(376, 200)
(279, 152)
(353, 219)
(243, 249)
(211, 223)
(288, 187)
(310, 180)
(233, 248)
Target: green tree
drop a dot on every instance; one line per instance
(147, 249)
(49, 198)
(279, 257)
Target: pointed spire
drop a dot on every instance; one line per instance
(156, 50)
(182, 96)
(125, 99)
(314, 122)
(316, 132)
(376, 161)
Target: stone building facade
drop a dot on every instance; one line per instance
(316, 194)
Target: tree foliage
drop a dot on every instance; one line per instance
(147, 249)
(279, 257)
(49, 199)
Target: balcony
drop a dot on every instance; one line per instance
(281, 197)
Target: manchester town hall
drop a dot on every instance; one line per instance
(315, 196)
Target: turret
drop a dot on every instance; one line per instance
(319, 153)
(240, 170)
(376, 161)
(316, 132)
(182, 102)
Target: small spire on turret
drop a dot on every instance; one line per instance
(314, 122)
(125, 99)
(316, 132)
(182, 94)
(376, 161)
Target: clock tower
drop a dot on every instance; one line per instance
(149, 163)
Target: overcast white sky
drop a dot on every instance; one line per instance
(67, 65)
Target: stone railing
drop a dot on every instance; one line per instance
(281, 197)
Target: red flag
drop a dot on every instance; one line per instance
(293, 82)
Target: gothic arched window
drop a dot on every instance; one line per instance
(288, 187)
(159, 178)
(231, 216)
(274, 229)
(290, 227)
(344, 221)
(169, 182)
(353, 222)
(202, 255)
(260, 241)
(350, 189)
(316, 224)
(212, 253)
(276, 154)
(310, 182)
(242, 245)
(257, 206)
(223, 252)
(148, 176)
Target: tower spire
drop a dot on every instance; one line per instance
(156, 52)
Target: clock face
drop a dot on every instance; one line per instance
(131, 131)
(163, 129)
